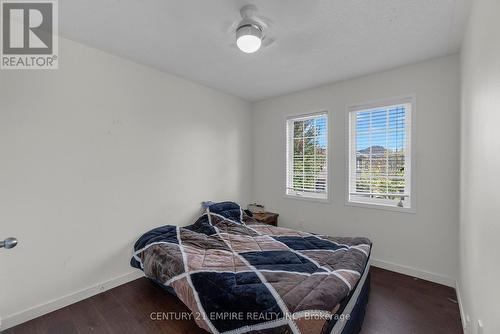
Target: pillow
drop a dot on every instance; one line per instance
(202, 225)
(229, 210)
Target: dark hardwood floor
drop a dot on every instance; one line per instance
(398, 304)
(404, 304)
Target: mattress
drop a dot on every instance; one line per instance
(237, 275)
(351, 315)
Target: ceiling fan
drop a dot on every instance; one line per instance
(251, 30)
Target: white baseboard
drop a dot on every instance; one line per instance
(52, 305)
(461, 307)
(55, 304)
(419, 273)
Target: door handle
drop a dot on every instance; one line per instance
(8, 243)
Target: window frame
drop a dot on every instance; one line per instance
(286, 195)
(410, 140)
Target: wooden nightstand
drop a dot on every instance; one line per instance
(269, 218)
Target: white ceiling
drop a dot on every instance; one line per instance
(317, 41)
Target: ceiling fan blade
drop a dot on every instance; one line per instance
(264, 21)
(268, 41)
(230, 28)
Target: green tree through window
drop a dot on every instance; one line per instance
(307, 156)
(379, 151)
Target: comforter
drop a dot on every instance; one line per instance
(237, 275)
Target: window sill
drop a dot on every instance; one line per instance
(307, 199)
(381, 207)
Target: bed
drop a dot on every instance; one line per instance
(240, 276)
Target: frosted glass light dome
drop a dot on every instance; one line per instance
(249, 38)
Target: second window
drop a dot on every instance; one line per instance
(380, 154)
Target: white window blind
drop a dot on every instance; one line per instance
(380, 154)
(307, 156)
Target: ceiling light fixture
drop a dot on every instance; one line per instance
(249, 31)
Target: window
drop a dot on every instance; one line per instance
(380, 154)
(307, 156)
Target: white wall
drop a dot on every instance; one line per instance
(93, 155)
(88, 165)
(422, 244)
(480, 168)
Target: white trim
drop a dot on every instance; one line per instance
(329, 165)
(381, 207)
(372, 104)
(415, 272)
(307, 115)
(308, 199)
(411, 146)
(14, 319)
(461, 307)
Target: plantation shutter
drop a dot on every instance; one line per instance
(307, 156)
(379, 166)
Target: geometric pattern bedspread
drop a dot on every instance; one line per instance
(239, 276)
